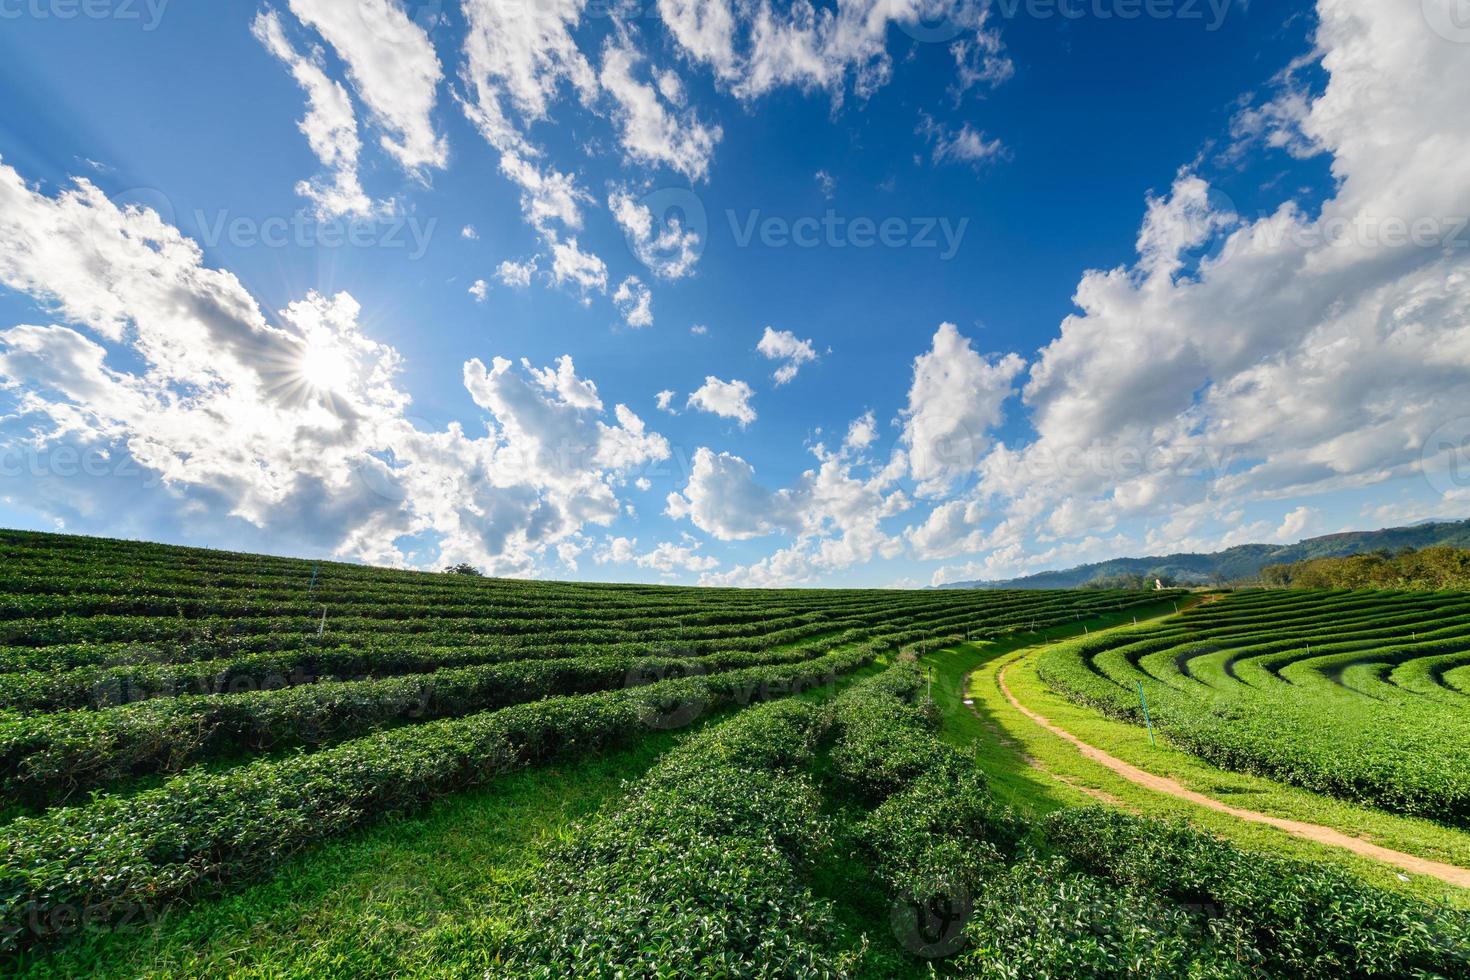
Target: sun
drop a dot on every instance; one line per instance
(325, 367)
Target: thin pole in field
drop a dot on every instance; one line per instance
(1146, 719)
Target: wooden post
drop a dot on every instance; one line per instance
(1146, 719)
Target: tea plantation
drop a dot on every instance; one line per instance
(179, 727)
(1364, 695)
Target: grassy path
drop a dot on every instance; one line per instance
(1452, 874)
(1037, 770)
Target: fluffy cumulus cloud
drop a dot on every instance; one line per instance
(833, 515)
(289, 428)
(569, 264)
(727, 399)
(861, 433)
(517, 275)
(786, 347)
(666, 557)
(955, 400)
(1308, 351)
(723, 498)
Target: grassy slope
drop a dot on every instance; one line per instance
(1034, 789)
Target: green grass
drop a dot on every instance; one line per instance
(1300, 687)
(362, 905)
(1003, 740)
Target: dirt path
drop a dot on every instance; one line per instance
(1000, 735)
(1162, 784)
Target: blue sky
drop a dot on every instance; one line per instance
(1158, 341)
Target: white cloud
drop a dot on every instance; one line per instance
(468, 233)
(954, 402)
(649, 131)
(517, 275)
(862, 433)
(263, 435)
(479, 289)
(567, 553)
(671, 251)
(518, 55)
(980, 60)
(834, 514)
(666, 557)
(330, 126)
(634, 302)
(1346, 336)
(546, 195)
(666, 402)
(723, 499)
(699, 330)
(392, 65)
(825, 48)
(826, 183)
(727, 399)
(1297, 524)
(963, 145)
(570, 264)
(783, 345)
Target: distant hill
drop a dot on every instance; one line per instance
(1243, 562)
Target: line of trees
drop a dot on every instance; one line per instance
(1430, 569)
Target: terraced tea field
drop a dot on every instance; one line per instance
(197, 747)
(1361, 695)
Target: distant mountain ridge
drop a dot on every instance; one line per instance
(1242, 562)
